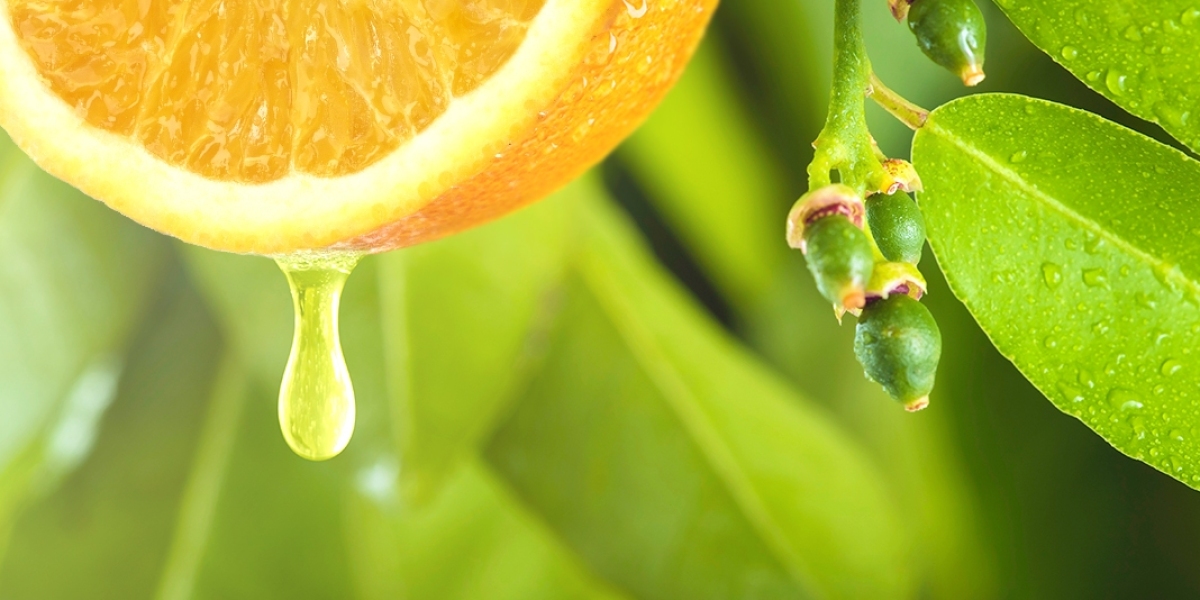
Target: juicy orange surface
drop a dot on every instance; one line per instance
(250, 90)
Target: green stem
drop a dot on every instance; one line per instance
(908, 113)
(845, 142)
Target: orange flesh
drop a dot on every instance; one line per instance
(250, 90)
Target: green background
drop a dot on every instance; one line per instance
(629, 390)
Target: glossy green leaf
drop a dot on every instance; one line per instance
(1141, 54)
(674, 464)
(1073, 243)
(74, 278)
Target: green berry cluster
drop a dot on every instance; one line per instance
(863, 236)
(863, 255)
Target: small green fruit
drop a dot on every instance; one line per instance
(897, 225)
(952, 33)
(840, 259)
(898, 344)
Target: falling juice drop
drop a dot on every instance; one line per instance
(316, 398)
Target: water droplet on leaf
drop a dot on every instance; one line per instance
(1095, 278)
(1052, 274)
(1117, 82)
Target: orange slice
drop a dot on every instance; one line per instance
(277, 126)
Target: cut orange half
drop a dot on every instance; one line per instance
(277, 126)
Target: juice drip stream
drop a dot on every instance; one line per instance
(316, 398)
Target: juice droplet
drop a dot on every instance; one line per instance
(316, 398)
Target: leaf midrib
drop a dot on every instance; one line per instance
(678, 395)
(1164, 268)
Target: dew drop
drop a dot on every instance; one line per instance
(1070, 393)
(1172, 115)
(1093, 76)
(316, 398)
(1176, 435)
(1018, 156)
(1117, 82)
(1095, 278)
(1189, 16)
(1175, 464)
(1171, 367)
(1085, 379)
(1052, 274)
(1069, 52)
(1050, 342)
(1133, 34)
(1124, 400)
(1139, 427)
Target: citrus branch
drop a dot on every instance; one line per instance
(906, 112)
(845, 142)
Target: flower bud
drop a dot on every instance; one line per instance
(898, 344)
(952, 33)
(904, 177)
(895, 278)
(840, 259)
(899, 8)
(897, 226)
(835, 199)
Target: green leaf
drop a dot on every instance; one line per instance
(116, 512)
(193, 494)
(1141, 54)
(674, 464)
(461, 318)
(74, 279)
(474, 542)
(723, 190)
(1073, 243)
(452, 320)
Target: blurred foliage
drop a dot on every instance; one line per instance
(544, 412)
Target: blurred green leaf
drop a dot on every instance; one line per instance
(116, 513)
(721, 190)
(673, 464)
(75, 276)
(199, 500)
(460, 319)
(472, 543)
(1141, 54)
(1071, 240)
